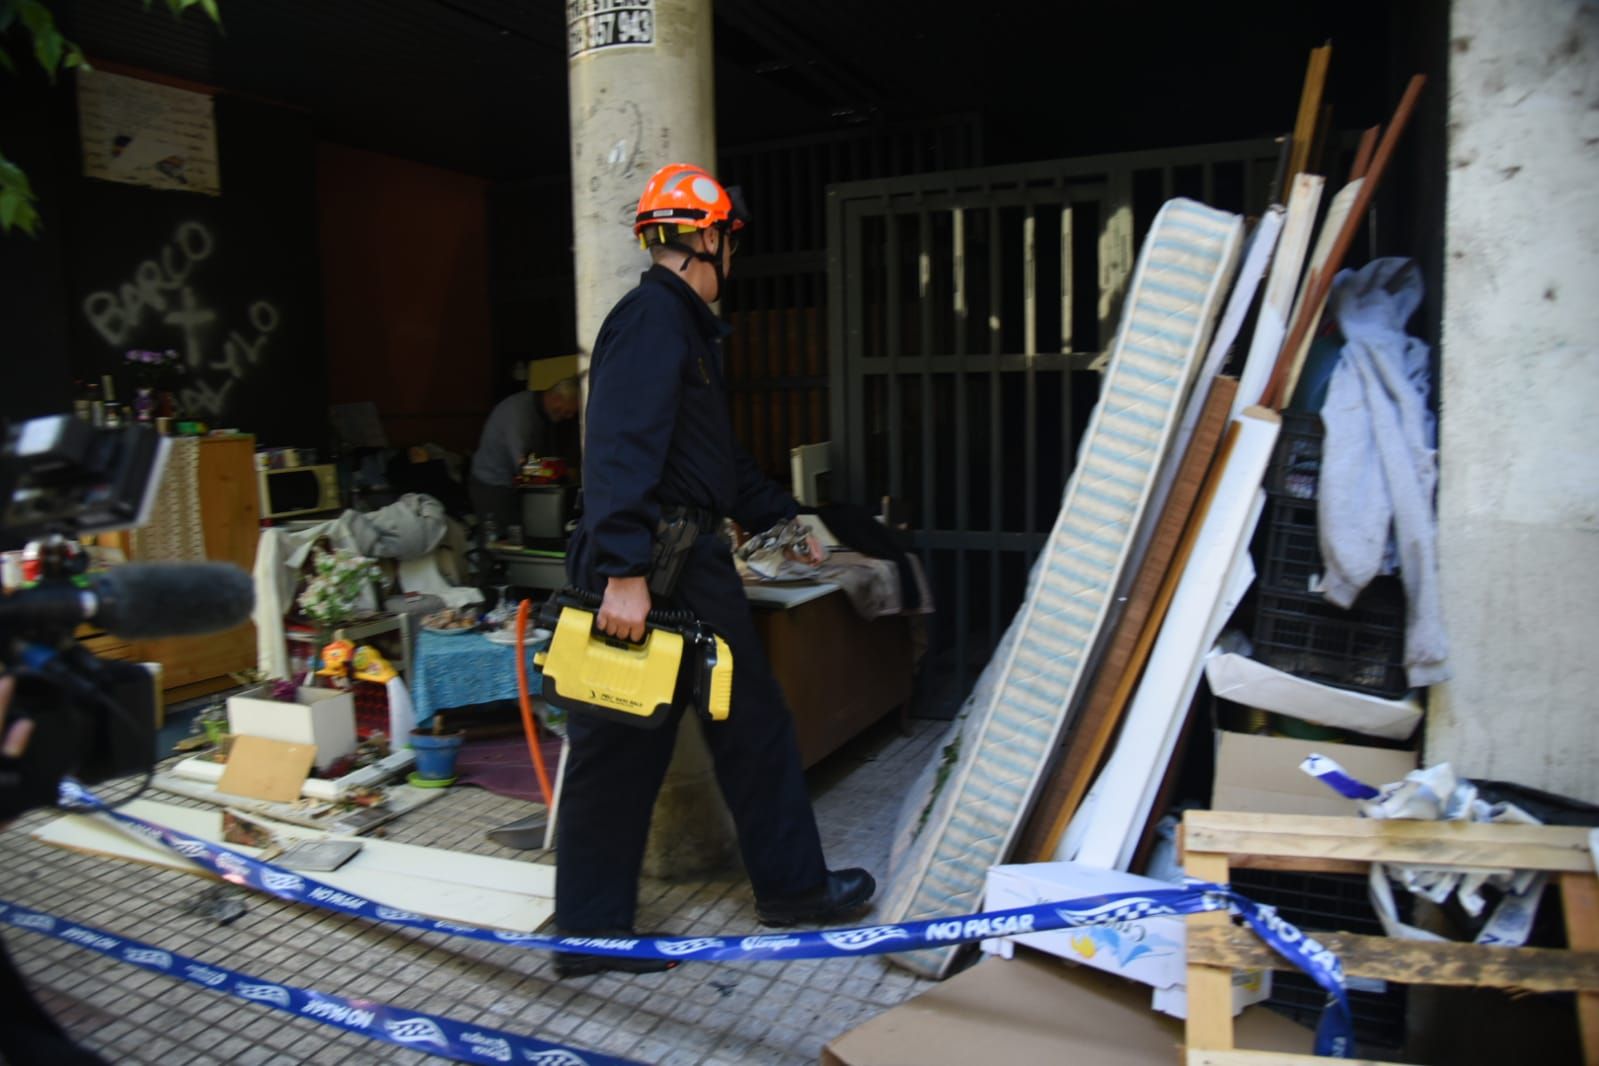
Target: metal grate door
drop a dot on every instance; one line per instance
(966, 313)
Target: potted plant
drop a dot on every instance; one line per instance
(436, 751)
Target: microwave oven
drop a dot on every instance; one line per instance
(298, 490)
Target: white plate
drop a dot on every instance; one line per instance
(508, 636)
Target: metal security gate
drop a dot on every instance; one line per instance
(776, 296)
(966, 311)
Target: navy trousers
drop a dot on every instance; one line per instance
(614, 772)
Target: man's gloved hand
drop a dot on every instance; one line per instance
(626, 605)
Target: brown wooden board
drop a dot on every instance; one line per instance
(1476, 846)
(1579, 897)
(1415, 962)
(1319, 286)
(1212, 840)
(264, 769)
(1093, 726)
(1305, 123)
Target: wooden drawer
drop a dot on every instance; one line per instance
(106, 646)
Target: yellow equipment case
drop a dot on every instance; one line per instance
(588, 672)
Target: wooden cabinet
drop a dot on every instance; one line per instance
(840, 672)
(230, 518)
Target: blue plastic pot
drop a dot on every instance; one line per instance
(435, 754)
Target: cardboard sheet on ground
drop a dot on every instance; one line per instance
(1243, 680)
(1037, 1011)
(455, 886)
(266, 769)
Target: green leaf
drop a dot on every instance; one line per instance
(5, 62)
(48, 44)
(12, 178)
(16, 200)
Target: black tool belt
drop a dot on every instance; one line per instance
(675, 534)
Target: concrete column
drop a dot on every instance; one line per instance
(1519, 481)
(642, 96)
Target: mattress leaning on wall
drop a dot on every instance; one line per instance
(969, 802)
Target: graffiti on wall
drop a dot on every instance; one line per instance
(220, 346)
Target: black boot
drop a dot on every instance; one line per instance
(582, 964)
(842, 894)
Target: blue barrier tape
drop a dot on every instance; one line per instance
(1334, 1033)
(407, 1028)
(1337, 778)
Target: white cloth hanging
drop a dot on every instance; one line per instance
(1379, 466)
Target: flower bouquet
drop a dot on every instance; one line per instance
(338, 578)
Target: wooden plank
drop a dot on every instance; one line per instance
(1272, 1058)
(1104, 830)
(1309, 109)
(1331, 226)
(1276, 306)
(1363, 154)
(1308, 866)
(1124, 660)
(1210, 988)
(1274, 395)
(454, 886)
(1413, 962)
(1579, 896)
(1556, 849)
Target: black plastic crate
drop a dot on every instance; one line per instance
(1361, 648)
(1331, 903)
(1290, 554)
(1296, 461)
(1296, 630)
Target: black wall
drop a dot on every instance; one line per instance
(231, 282)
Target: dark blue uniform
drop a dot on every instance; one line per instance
(659, 435)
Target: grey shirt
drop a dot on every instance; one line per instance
(516, 427)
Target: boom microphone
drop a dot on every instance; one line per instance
(140, 601)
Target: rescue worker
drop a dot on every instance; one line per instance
(660, 443)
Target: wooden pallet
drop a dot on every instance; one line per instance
(1217, 842)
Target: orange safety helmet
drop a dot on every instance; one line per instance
(681, 198)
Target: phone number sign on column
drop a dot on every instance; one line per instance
(595, 24)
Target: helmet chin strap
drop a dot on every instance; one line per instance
(715, 260)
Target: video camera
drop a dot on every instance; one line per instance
(62, 479)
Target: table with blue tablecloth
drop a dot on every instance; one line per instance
(459, 670)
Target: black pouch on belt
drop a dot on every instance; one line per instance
(674, 537)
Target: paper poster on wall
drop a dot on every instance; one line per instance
(141, 133)
(595, 24)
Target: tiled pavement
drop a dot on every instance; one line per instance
(711, 1014)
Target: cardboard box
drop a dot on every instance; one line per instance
(1152, 951)
(1255, 773)
(322, 717)
(1034, 1010)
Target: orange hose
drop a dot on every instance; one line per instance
(526, 701)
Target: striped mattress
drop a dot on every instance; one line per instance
(970, 802)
